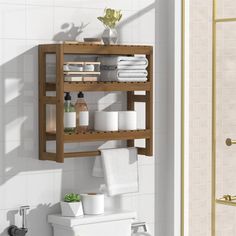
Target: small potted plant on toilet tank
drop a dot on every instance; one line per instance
(72, 205)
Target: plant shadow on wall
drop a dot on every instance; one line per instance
(70, 32)
(19, 164)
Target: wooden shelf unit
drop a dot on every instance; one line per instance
(60, 87)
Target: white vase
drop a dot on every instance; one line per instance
(72, 209)
(110, 36)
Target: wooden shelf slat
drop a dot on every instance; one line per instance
(101, 86)
(82, 73)
(93, 49)
(50, 100)
(82, 63)
(106, 86)
(100, 136)
(82, 154)
(52, 156)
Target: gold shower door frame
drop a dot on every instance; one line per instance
(226, 200)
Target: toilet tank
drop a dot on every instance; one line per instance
(107, 224)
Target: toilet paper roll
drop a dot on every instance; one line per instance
(106, 121)
(93, 203)
(127, 120)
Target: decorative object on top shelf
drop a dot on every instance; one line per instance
(93, 40)
(109, 20)
(72, 205)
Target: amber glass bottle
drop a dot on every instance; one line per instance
(82, 114)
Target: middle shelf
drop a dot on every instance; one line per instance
(101, 86)
(102, 135)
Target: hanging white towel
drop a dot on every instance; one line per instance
(98, 168)
(120, 169)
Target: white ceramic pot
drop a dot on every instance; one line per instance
(72, 209)
(93, 203)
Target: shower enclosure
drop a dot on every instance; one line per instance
(223, 214)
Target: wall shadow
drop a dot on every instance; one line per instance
(70, 32)
(36, 220)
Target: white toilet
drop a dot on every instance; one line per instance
(107, 224)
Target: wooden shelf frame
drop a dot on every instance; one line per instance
(60, 87)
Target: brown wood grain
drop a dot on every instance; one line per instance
(42, 106)
(100, 136)
(106, 86)
(149, 107)
(60, 104)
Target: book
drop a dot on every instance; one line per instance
(80, 79)
(73, 78)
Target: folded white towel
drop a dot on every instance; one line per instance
(125, 67)
(129, 79)
(119, 75)
(131, 67)
(120, 169)
(124, 60)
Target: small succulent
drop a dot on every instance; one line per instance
(72, 197)
(111, 17)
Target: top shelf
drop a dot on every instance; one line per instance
(94, 49)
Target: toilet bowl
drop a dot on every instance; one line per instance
(107, 224)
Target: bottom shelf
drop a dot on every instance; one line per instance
(100, 135)
(93, 136)
(227, 200)
(50, 156)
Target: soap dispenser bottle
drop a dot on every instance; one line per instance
(69, 115)
(82, 114)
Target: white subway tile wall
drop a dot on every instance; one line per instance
(23, 178)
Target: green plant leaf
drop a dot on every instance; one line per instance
(111, 17)
(72, 197)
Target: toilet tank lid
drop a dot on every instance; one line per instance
(91, 219)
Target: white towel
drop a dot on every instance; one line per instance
(129, 79)
(124, 60)
(124, 75)
(120, 169)
(125, 67)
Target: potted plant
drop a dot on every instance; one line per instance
(72, 205)
(110, 19)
